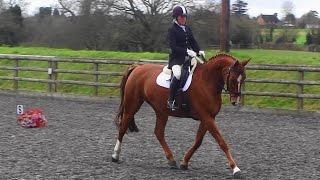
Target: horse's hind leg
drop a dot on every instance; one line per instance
(159, 130)
(200, 134)
(128, 115)
(132, 126)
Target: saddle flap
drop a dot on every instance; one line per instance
(166, 70)
(163, 80)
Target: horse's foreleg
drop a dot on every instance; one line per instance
(159, 130)
(199, 137)
(214, 131)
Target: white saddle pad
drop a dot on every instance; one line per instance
(163, 80)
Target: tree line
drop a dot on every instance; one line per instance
(128, 25)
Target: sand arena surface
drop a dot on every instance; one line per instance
(79, 140)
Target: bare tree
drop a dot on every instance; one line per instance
(130, 25)
(70, 7)
(287, 8)
(16, 2)
(145, 19)
(3, 6)
(205, 25)
(10, 3)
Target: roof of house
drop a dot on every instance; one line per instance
(270, 18)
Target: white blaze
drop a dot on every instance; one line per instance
(239, 86)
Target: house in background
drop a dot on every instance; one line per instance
(312, 26)
(268, 20)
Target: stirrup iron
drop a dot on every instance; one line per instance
(171, 105)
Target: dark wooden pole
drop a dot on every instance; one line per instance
(224, 26)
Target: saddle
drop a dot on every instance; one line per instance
(181, 99)
(164, 78)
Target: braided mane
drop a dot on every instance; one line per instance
(220, 55)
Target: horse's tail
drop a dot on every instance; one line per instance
(122, 87)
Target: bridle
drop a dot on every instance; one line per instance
(227, 90)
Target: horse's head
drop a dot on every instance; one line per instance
(234, 78)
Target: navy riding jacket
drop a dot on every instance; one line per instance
(179, 41)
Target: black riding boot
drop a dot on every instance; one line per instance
(174, 85)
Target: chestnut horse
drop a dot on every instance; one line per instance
(204, 96)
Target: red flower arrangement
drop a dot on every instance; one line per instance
(32, 118)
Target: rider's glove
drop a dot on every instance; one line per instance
(201, 53)
(191, 53)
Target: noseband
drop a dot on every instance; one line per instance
(227, 90)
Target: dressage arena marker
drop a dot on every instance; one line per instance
(19, 109)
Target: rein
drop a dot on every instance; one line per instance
(227, 90)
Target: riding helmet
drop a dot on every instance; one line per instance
(179, 11)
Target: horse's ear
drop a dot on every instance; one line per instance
(244, 63)
(236, 63)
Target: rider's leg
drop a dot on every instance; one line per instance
(174, 86)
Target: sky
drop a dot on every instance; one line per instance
(300, 7)
(34, 5)
(255, 7)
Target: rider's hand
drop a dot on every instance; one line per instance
(191, 53)
(201, 53)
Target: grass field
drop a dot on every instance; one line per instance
(298, 34)
(257, 56)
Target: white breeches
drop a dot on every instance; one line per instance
(176, 70)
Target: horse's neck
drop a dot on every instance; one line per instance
(216, 70)
(218, 65)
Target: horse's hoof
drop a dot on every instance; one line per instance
(238, 175)
(174, 167)
(173, 164)
(114, 160)
(183, 167)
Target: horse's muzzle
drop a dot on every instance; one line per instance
(234, 100)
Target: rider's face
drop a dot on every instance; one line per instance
(182, 20)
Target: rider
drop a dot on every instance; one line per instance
(182, 44)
